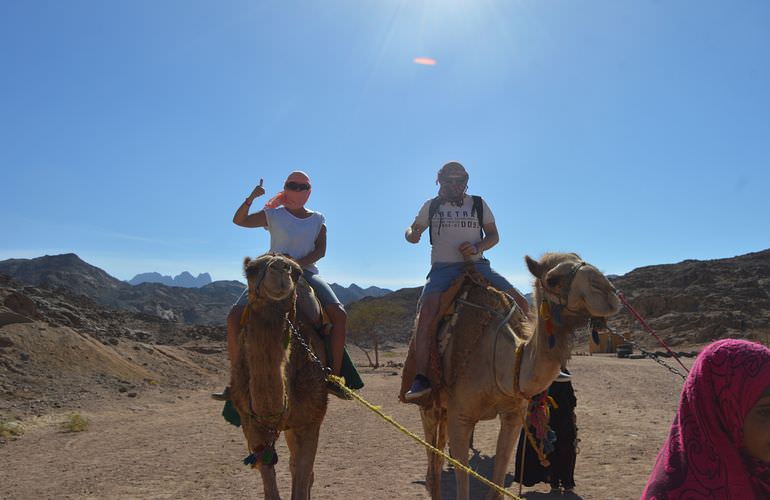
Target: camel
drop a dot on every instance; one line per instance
(482, 377)
(277, 385)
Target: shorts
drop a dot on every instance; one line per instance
(321, 288)
(442, 274)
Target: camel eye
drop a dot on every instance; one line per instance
(553, 281)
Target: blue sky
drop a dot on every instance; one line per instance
(632, 132)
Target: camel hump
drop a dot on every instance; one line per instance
(442, 331)
(308, 305)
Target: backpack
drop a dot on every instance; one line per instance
(478, 209)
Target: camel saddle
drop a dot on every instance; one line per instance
(441, 335)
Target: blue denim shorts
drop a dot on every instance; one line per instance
(321, 288)
(442, 274)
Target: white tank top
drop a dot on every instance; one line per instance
(292, 235)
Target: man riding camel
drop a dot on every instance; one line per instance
(461, 228)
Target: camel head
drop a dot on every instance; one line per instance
(271, 276)
(581, 288)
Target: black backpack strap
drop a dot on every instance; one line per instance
(478, 209)
(432, 209)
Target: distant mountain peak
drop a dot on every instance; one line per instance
(183, 279)
(353, 293)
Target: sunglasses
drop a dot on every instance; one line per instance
(453, 180)
(296, 186)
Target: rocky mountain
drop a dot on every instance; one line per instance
(208, 304)
(354, 292)
(699, 301)
(184, 279)
(67, 271)
(691, 302)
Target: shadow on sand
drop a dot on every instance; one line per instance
(484, 465)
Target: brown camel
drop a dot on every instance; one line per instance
(480, 380)
(276, 385)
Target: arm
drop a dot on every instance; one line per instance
(414, 232)
(318, 252)
(243, 218)
(491, 238)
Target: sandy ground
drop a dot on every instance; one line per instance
(175, 444)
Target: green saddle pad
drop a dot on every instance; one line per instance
(349, 372)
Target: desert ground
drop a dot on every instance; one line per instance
(173, 443)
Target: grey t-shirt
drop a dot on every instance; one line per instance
(457, 227)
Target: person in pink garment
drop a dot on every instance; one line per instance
(719, 443)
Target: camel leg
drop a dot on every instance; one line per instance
(256, 439)
(269, 482)
(434, 427)
(510, 427)
(460, 430)
(303, 444)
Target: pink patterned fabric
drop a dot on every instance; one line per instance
(291, 199)
(702, 456)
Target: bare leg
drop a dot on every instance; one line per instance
(233, 328)
(510, 427)
(339, 318)
(303, 444)
(428, 312)
(460, 430)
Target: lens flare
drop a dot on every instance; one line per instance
(425, 61)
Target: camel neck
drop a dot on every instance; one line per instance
(545, 354)
(268, 353)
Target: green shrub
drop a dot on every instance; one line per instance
(10, 428)
(75, 423)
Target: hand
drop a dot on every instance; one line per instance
(468, 249)
(412, 236)
(258, 191)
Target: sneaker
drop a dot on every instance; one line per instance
(221, 396)
(420, 387)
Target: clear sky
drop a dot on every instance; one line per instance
(632, 132)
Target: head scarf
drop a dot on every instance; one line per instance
(702, 456)
(453, 192)
(289, 198)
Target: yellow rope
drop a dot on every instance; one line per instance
(378, 410)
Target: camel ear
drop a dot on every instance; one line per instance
(246, 261)
(534, 267)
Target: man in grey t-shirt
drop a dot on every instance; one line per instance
(456, 237)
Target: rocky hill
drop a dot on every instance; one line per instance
(695, 302)
(692, 302)
(354, 292)
(184, 279)
(64, 350)
(205, 305)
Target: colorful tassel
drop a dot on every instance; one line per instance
(545, 311)
(266, 455)
(556, 313)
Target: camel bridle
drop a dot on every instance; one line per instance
(562, 299)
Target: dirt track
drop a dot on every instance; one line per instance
(175, 445)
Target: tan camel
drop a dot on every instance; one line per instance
(276, 385)
(479, 361)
